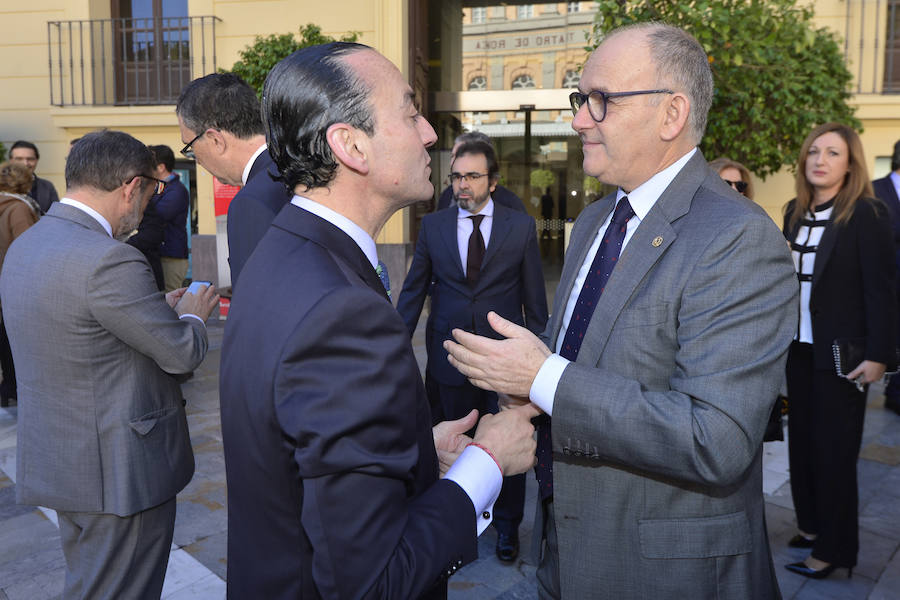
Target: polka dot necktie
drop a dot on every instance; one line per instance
(601, 268)
(381, 270)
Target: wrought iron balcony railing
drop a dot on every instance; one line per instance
(128, 60)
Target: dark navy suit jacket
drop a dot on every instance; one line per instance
(252, 210)
(511, 283)
(333, 488)
(885, 191)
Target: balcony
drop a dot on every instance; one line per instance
(128, 61)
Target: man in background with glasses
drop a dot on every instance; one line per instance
(500, 194)
(475, 257)
(220, 126)
(102, 432)
(670, 329)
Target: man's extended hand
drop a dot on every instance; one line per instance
(508, 366)
(450, 439)
(509, 436)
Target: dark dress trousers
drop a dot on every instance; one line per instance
(333, 488)
(252, 210)
(852, 296)
(500, 195)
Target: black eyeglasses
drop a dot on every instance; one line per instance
(740, 186)
(160, 183)
(187, 151)
(597, 100)
(473, 177)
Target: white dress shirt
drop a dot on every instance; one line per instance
(474, 470)
(246, 174)
(642, 199)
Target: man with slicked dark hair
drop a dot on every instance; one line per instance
(42, 190)
(331, 461)
(220, 126)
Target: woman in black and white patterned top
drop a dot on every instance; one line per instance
(841, 241)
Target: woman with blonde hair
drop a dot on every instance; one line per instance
(18, 212)
(842, 246)
(735, 174)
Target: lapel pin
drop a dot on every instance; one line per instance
(657, 241)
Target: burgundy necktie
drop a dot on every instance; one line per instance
(476, 251)
(594, 283)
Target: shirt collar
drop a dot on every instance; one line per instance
(90, 211)
(643, 197)
(246, 174)
(487, 210)
(895, 179)
(359, 235)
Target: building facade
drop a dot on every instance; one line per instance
(71, 66)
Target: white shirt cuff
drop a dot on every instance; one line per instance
(193, 316)
(543, 388)
(480, 478)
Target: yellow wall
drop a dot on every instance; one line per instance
(25, 112)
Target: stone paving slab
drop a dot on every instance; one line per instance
(32, 565)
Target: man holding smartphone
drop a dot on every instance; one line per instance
(102, 433)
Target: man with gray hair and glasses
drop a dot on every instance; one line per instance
(675, 308)
(221, 129)
(102, 432)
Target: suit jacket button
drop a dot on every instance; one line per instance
(486, 515)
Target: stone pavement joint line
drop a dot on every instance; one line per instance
(32, 565)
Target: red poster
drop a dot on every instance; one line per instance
(222, 196)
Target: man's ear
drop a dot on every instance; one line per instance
(675, 119)
(493, 183)
(219, 140)
(350, 146)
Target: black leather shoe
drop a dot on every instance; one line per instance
(507, 546)
(801, 541)
(800, 568)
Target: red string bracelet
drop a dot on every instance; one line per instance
(494, 458)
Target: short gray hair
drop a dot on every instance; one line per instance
(682, 64)
(106, 159)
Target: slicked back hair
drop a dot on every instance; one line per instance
(220, 101)
(106, 159)
(304, 95)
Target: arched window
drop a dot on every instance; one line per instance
(522, 82)
(571, 79)
(478, 83)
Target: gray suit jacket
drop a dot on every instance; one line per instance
(658, 426)
(101, 424)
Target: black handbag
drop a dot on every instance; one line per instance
(850, 352)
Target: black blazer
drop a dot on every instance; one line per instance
(511, 283)
(333, 488)
(853, 284)
(252, 210)
(885, 191)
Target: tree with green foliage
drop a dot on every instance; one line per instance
(265, 52)
(2, 152)
(776, 74)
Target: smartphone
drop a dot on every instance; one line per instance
(197, 286)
